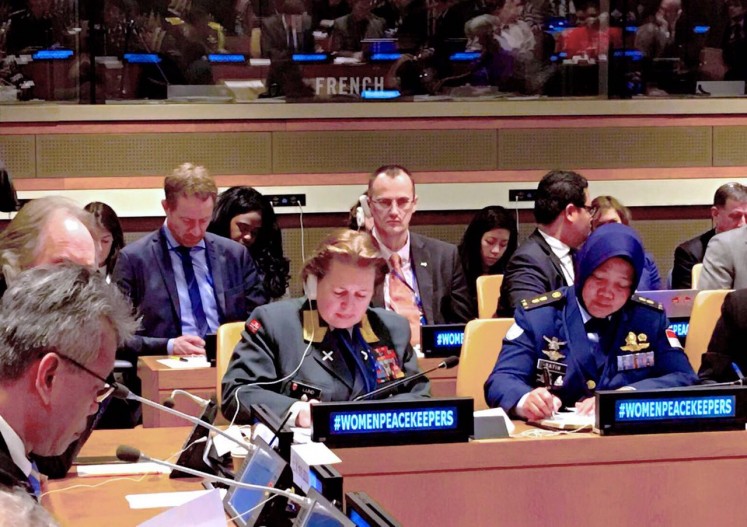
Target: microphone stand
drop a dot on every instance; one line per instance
(444, 364)
(122, 392)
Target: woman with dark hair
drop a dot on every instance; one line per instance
(109, 236)
(487, 245)
(246, 216)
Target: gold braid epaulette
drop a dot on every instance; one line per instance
(542, 300)
(647, 302)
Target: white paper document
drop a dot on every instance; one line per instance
(121, 469)
(185, 363)
(159, 500)
(205, 510)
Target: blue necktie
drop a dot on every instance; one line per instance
(35, 480)
(194, 290)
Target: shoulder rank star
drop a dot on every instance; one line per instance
(553, 348)
(635, 342)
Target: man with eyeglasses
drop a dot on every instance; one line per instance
(426, 282)
(61, 328)
(544, 262)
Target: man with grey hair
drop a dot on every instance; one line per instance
(729, 211)
(19, 508)
(61, 327)
(46, 230)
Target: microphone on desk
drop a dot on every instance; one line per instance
(169, 402)
(130, 454)
(447, 363)
(122, 392)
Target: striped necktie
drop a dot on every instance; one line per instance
(35, 479)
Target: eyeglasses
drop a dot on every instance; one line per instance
(589, 208)
(385, 204)
(104, 392)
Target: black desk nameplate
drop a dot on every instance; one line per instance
(393, 422)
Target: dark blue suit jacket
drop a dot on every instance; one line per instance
(532, 270)
(515, 372)
(145, 274)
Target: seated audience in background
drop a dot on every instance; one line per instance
(594, 335)
(734, 44)
(425, 283)
(55, 367)
(108, 234)
(350, 30)
(328, 10)
(330, 346)
(728, 212)
(726, 357)
(657, 36)
(592, 35)
(246, 216)
(184, 281)
(407, 20)
(287, 32)
(488, 243)
(21, 509)
(46, 230)
(544, 262)
(609, 210)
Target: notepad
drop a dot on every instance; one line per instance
(567, 420)
(184, 363)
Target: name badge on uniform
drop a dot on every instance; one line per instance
(550, 373)
(387, 365)
(635, 361)
(305, 392)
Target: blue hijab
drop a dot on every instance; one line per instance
(609, 241)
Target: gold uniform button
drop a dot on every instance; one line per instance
(591, 385)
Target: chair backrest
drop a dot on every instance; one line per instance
(695, 274)
(706, 312)
(482, 343)
(488, 292)
(227, 337)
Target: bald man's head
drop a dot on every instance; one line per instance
(65, 238)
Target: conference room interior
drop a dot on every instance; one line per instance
(118, 51)
(643, 131)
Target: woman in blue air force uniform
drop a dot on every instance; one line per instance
(333, 348)
(595, 335)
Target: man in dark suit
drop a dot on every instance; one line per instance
(726, 348)
(544, 262)
(53, 371)
(183, 281)
(287, 32)
(431, 275)
(728, 212)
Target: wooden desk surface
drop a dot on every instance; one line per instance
(578, 479)
(102, 500)
(158, 381)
